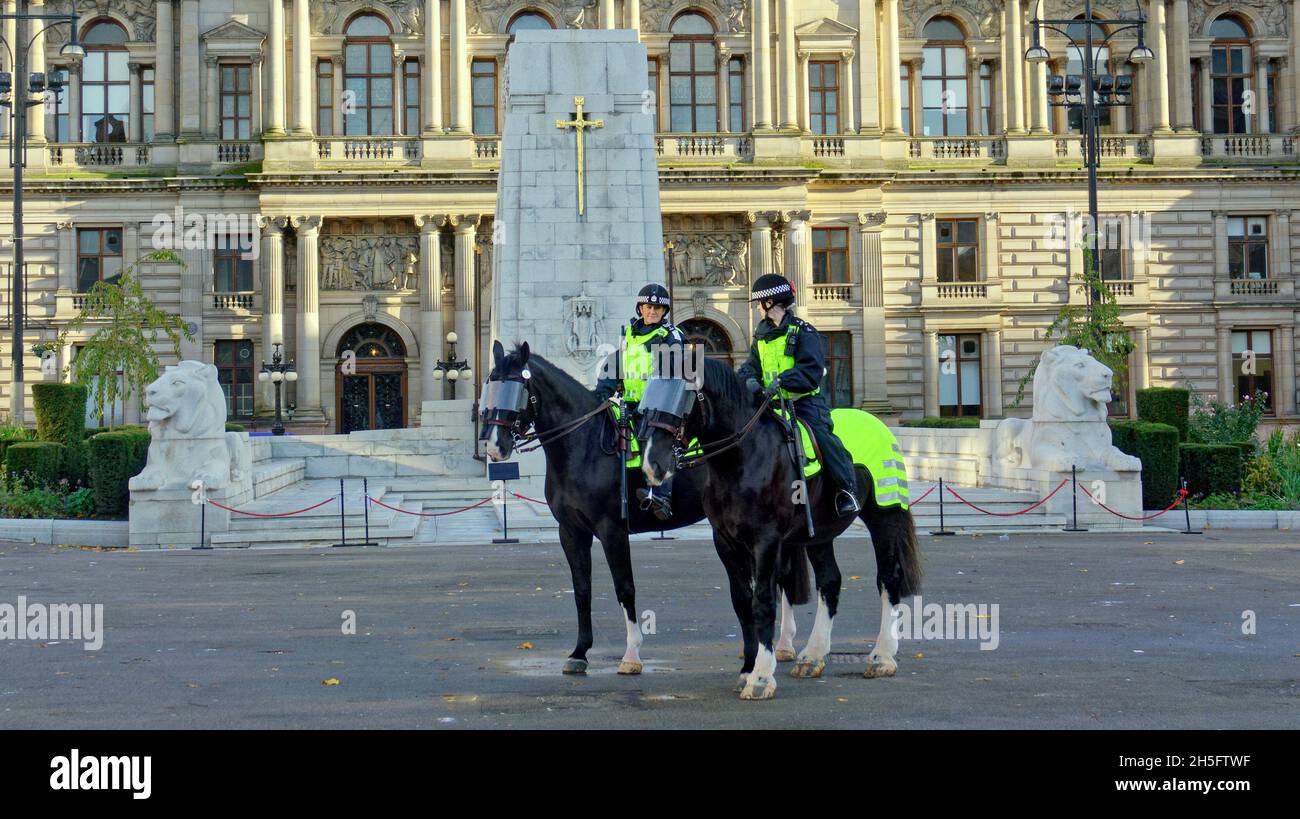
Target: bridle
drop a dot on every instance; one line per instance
(673, 422)
(504, 407)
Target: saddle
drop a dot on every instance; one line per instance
(812, 451)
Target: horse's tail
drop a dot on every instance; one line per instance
(893, 535)
(792, 574)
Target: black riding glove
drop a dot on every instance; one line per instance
(753, 386)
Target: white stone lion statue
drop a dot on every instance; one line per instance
(187, 428)
(1068, 427)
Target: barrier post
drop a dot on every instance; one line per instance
(343, 526)
(662, 536)
(365, 501)
(942, 529)
(500, 473)
(1074, 500)
(203, 524)
(1187, 514)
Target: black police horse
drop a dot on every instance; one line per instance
(752, 498)
(582, 487)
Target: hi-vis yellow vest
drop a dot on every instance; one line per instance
(638, 361)
(772, 355)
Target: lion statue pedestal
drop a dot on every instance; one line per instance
(190, 456)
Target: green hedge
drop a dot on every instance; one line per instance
(1211, 469)
(231, 426)
(38, 463)
(1156, 446)
(943, 423)
(91, 432)
(115, 458)
(1165, 405)
(61, 419)
(1248, 449)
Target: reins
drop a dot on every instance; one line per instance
(730, 442)
(536, 440)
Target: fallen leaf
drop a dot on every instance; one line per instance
(983, 679)
(526, 646)
(855, 577)
(918, 656)
(330, 681)
(1085, 571)
(1179, 562)
(846, 699)
(450, 639)
(539, 588)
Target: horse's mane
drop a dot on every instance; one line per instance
(562, 380)
(722, 381)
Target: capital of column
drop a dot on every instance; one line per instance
(868, 219)
(465, 222)
(430, 222)
(273, 224)
(211, 60)
(758, 219)
(307, 224)
(792, 216)
(132, 68)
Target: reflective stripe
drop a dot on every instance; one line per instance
(892, 464)
(898, 449)
(888, 497)
(900, 482)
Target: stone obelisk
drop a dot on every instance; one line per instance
(575, 241)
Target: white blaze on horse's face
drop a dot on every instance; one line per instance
(647, 464)
(495, 450)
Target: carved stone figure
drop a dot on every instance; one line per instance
(706, 250)
(409, 14)
(986, 13)
(1068, 426)
(187, 429)
(368, 261)
(582, 327)
(139, 12)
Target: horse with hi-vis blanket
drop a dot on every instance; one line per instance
(755, 499)
(579, 436)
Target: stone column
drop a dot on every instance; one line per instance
(632, 11)
(760, 244)
(1159, 77)
(798, 252)
(74, 101)
(135, 124)
(993, 387)
(432, 67)
(1285, 99)
(35, 65)
(212, 128)
(1283, 246)
(1294, 16)
(1207, 96)
(272, 276)
(868, 75)
(399, 93)
(302, 73)
(891, 104)
(875, 392)
(1284, 397)
(848, 122)
(1013, 67)
(1038, 113)
(430, 303)
(189, 74)
(337, 62)
(789, 79)
(930, 372)
(608, 19)
(308, 347)
(724, 90)
(1141, 375)
(255, 102)
(1220, 243)
(1261, 100)
(275, 68)
(460, 101)
(801, 106)
(914, 66)
(466, 297)
(1179, 54)
(1227, 388)
(975, 94)
(762, 66)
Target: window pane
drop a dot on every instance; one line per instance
(92, 68)
(381, 121)
(484, 91)
(484, 121)
(87, 274)
(966, 232)
(705, 90)
(679, 56)
(88, 241)
(967, 264)
(113, 242)
(679, 90)
(381, 91)
(704, 57)
(1258, 261)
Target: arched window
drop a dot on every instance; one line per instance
(368, 76)
(1230, 74)
(944, 80)
(1102, 63)
(529, 20)
(105, 84)
(692, 75)
(372, 340)
(711, 338)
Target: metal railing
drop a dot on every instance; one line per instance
(947, 149)
(368, 149)
(706, 147)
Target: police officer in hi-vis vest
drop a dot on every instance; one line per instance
(648, 330)
(788, 357)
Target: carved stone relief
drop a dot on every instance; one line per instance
(987, 14)
(139, 12)
(706, 250)
(369, 255)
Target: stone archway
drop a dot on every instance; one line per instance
(710, 336)
(370, 385)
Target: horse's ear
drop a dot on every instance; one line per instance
(523, 353)
(498, 354)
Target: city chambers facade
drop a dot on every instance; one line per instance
(899, 160)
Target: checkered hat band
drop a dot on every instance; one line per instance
(771, 291)
(653, 298)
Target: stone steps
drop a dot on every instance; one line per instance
(388, 529)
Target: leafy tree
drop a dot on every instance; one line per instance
(128, 325)
(1097, 330)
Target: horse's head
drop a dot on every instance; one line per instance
(666, 407)
(504, 405)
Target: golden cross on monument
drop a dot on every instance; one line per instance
(580, 124)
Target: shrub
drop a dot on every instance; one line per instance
(1165, 405)
(943, 423)
(60, 411)
(38, 463)
(80, 503)
(231, 426)
(1211, 469)
(10, 435)
(1218, 423)
(115, 458)
(1156, 446)
(33, 503)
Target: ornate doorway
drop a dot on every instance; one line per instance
(709, 336)
(370, 379)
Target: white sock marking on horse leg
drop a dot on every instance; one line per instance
(764, 666)
(886, 642)
(819, 641)
(785, 642)
(633, 652)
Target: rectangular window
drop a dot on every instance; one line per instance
(986, 98)
(483, 83)
(1272, 97)
(234, 360)
(146, 103)
(236, 101)
(692, 85)
(114, 413)
(1252, 366)
(652, 83)
(837, 384)
(61, 116)
(1112, 249)
(1118, 406)
(1230, 72)
(736, 94)
(959, 376)
(1247, 247)
(957, 246)
(905, 96)
(824, 96)
(944, 81)
(99, 256)
(411, 97)
(324, 97)
(231, 272)
(830, 256)
(1198, 116)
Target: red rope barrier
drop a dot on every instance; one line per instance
(1177, 500)
(530, 500)
(272, 514)
(1037, 504)
(429, 514)
(923, 497)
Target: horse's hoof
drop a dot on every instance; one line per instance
(575, 666)
(758, 689)
(629, 667)
(784, 655)
(880, 668)
(808, 669)
(741, 683)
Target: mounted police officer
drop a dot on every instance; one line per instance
(649, 337)
(789, 358)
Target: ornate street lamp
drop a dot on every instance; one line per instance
(278, 372)
(454, 368)
(1090, 91)
(18, 92)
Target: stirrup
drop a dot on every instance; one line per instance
(843, 500)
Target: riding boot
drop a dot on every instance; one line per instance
(658, 499)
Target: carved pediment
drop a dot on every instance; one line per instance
(232, 32)
(825, 27)
(981, 18)
(138, 14)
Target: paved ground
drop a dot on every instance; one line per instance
(1106, 631)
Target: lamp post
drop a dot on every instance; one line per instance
(278, 372)
(1090, 91)
(453, 368)
(18, 92)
